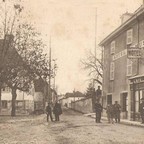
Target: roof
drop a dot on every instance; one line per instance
(75, 94)
(136, 14)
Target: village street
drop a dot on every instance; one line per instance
(74, 128)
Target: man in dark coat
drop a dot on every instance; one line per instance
(49, 112)
(57, 111)
(98, 111)
(117, 110)
(142, 110)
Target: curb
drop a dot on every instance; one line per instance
(124, 122)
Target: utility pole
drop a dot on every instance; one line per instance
(95, 46)
(49, 92)
(95, 33)
(54, 73)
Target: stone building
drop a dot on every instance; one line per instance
(123, 53)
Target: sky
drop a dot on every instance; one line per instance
(71, 25)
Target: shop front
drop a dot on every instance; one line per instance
(136, 93)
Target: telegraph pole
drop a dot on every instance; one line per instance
(49, 92)
(95, 33)
(54, 72)
(95, 46)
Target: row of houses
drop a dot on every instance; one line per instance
(123, 60)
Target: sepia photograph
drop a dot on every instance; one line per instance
(71, 71)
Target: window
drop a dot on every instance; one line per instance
(4, 104)
(129, 67)
(112, 47)
(6, 89)
(112, 71)
(129, 36)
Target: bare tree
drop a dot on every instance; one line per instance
(94, 67)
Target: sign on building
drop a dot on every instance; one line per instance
(133, 53)
(120, 54)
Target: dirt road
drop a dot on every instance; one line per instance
(74, 128)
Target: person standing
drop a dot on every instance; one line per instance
(49, 112)
(110, 113)
(117, 110)
(57, 111)
(142, 110)
(98, 111)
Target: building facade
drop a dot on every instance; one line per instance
(123, 75)
(24, 102)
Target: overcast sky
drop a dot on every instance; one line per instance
(71, 24)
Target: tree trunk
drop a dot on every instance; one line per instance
(14, 95)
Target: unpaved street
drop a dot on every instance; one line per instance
(74, 128)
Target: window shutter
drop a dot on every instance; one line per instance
(112, 47)
(129, 67)
(129, 36)
(112, 71)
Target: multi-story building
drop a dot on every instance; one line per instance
(123, 53)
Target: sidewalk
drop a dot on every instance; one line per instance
(123, 121)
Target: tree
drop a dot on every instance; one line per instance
(9, 17)
(22, 58)
(94, 67)
(25, 61)
(90, 90)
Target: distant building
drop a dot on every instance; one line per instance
(123, 53)
(71, 97)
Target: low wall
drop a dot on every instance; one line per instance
(83, 105)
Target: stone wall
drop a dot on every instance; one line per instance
(83, 105)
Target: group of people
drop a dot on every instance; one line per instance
(56, 110)
(113, 111)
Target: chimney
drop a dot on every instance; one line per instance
(125, 17)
